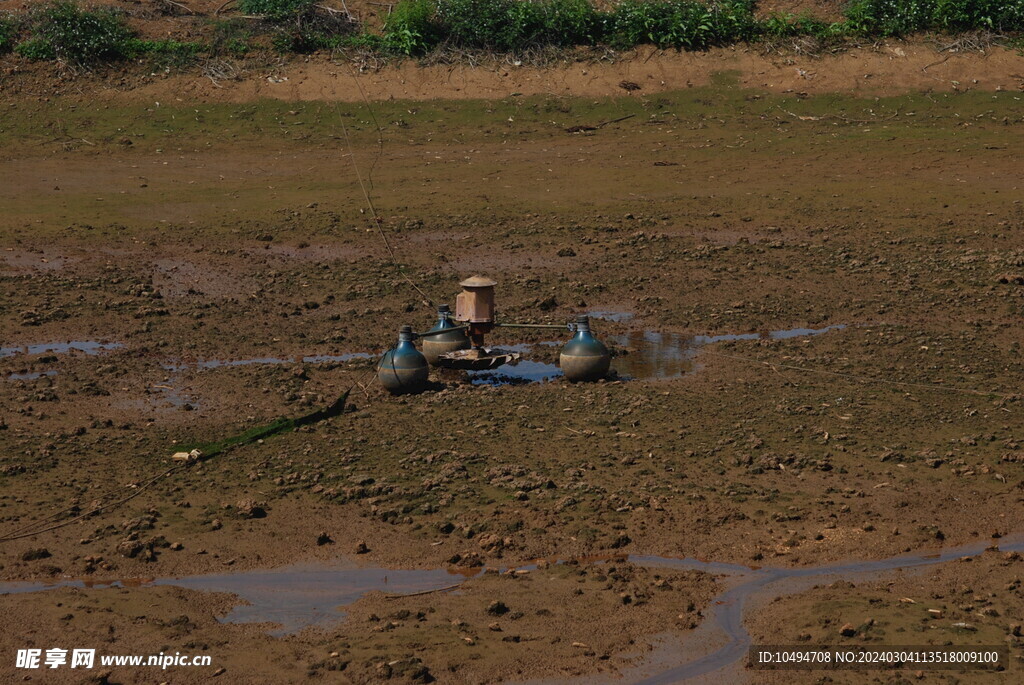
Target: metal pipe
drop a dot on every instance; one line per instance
(564, 327)
(440, 332)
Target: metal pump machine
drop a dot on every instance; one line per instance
(450, 345)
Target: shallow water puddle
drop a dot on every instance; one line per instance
(614, 315)
(89, 347)
(293, 597)
(645, 355)
(723, 620)
(30, 376)
(296, 597)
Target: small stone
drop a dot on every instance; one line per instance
(324, 539)
(130, 548)
(252, 510)
(361, 548)
(35, 554)
(497, 608)
(848, 630)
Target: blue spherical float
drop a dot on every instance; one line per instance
(584, 357)
(436, 343)
(403, 369)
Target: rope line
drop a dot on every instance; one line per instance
(91, 512)
(427, 301)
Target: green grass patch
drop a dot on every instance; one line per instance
(64, 31)
(211, 449)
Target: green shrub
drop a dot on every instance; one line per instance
(900, 17)
(503, 25)
(967, 15)
(37, 49)
(682, 23)
(64, 31)
(230, 37)
(572, 22)
(890, 17)
(790, 26)
(509, 25)
(413, 27)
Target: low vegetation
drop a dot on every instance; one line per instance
(65, 32)
(900, 17)
(68, 33)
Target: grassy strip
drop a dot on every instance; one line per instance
(64, 31)
(281, 425)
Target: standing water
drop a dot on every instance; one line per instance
(296, 597)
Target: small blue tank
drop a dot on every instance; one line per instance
(584, 358)
(403, 369)
(436, 345)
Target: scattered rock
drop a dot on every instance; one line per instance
(130, 548)
(497, 608)
(251, 509)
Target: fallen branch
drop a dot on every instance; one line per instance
(584, 127)
(424, 592)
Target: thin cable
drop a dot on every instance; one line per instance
(94, 510)
(369, 202)
(376, 124)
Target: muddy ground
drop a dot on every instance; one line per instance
(943, 605)
(190, 232)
